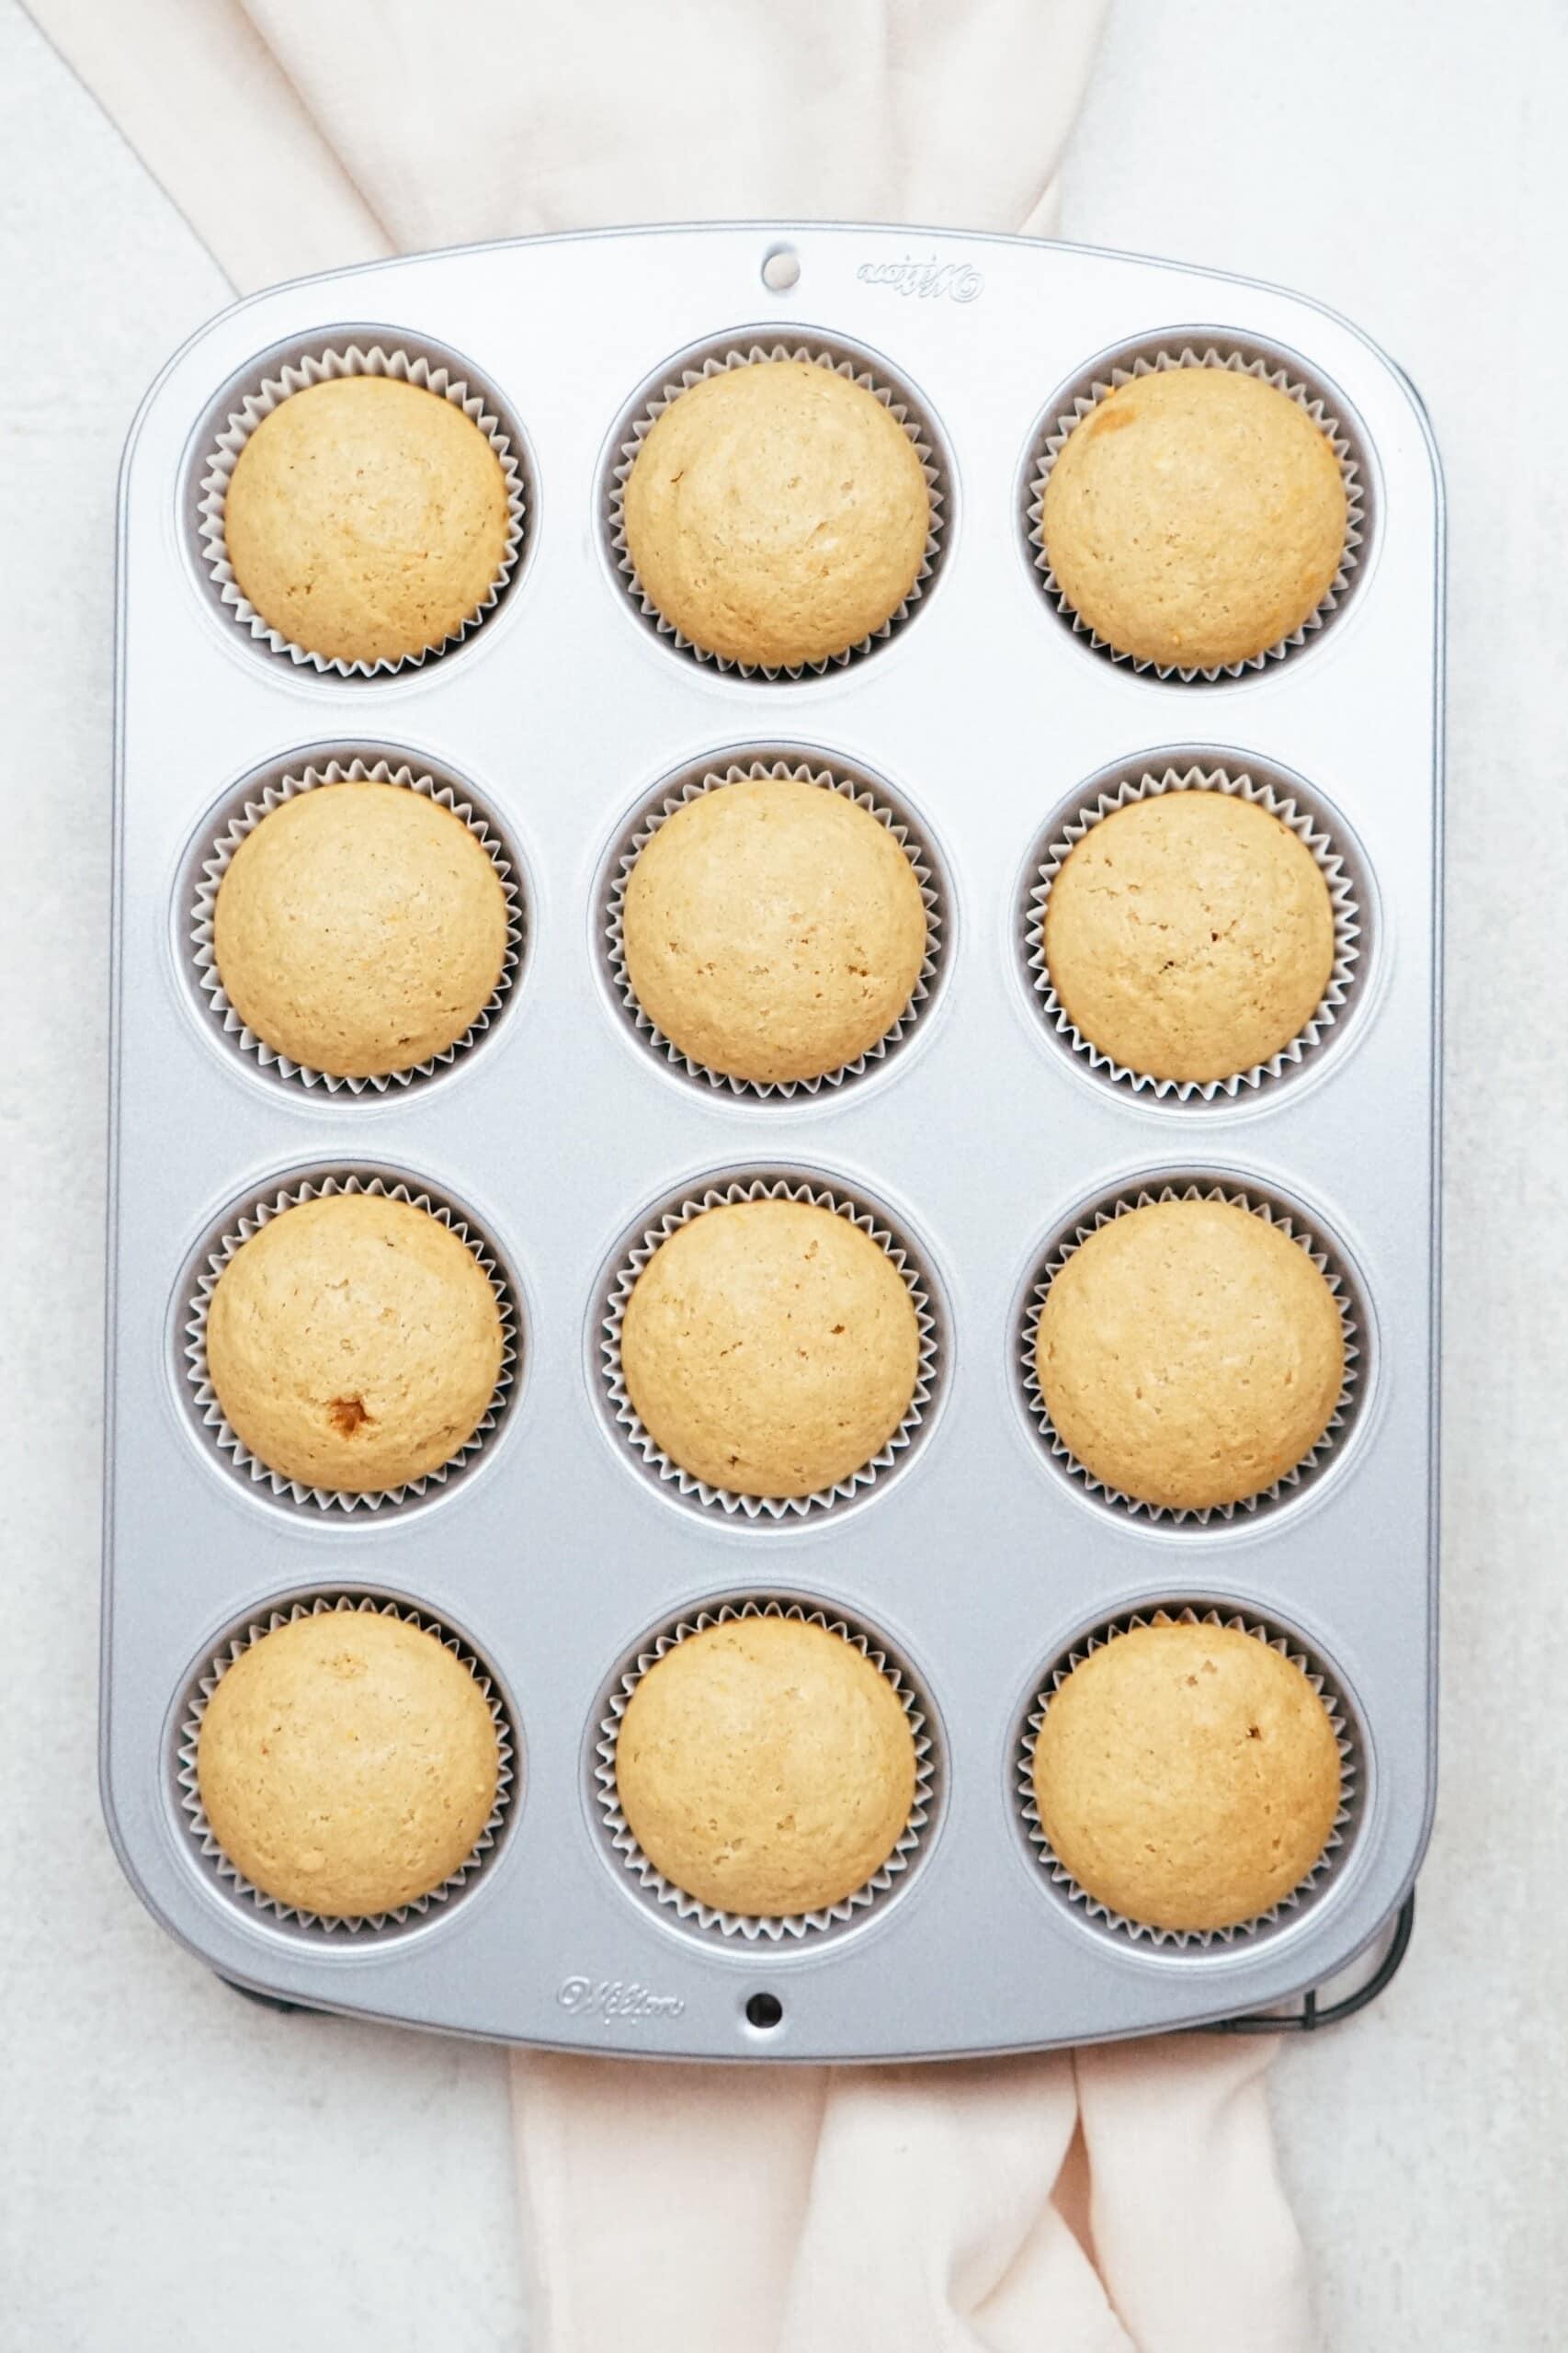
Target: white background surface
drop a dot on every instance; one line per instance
(177, 2166)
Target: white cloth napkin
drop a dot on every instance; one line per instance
(1089, 2203)
(297, 135)
(1093, 2202)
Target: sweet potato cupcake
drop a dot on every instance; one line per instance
(770, 1348)
(1189, 935)
(354, 1343)
(367, 520)
(1189, 1354)
(1195, 518)
(360, 929)
(773, 929)
(347, 1763)
(766, 1767)
(776, 514)
(1187, 1776)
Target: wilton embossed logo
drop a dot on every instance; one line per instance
(612, 1997)
(956, 280)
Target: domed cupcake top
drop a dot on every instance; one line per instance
(774, 929)
(776, 514)
(354, 1343)
(1195, 518)
(1189, 1354)
(766, 1767)
(1187, 1776)
(347, 1763)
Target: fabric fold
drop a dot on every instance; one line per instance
(774, 2210)
(297, 138)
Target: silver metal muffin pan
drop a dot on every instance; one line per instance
(559, 1555)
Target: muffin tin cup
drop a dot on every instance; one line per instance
(1146, 359)
(215, 864)
(1288, 1221)
(233, 1882)
(1350, 923)
(752, 1928)
(221, 1434)
(830, 778)
(268, 393)
(714, 359)
(766, 1510)
(1309, 1890)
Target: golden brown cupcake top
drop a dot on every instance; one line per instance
(774, 929)
(766, 1767)
(354, 1343)
(1189, 935)
(1194, 517)
(776, 514)
(360, 929)
(1189, 1354)
(1188, 1776)
(770, 1348)
(366, 518)
(347, 1763)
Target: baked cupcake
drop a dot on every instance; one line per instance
(359, 930)
(1189, 935)
(367, 520)
(347, 1763)
(766, 1767)
(776, 514)
(354, 1343)
(1189, 1354)
(1194, 517)
(770, 1348)
(1188, 1776)
(773, 929)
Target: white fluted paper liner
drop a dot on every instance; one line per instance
(753, 1927)
(725, 1500)
(1146, 363)
(210, 1413)
(715, 361)
(221, 856)
(1290, 1224)
(1187, 1939)
(195, 1812)
(829, 780)
(269, 392)
(1330, 862)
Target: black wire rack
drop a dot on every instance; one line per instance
(1312, 2010)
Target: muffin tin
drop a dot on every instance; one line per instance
(562, 1130)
